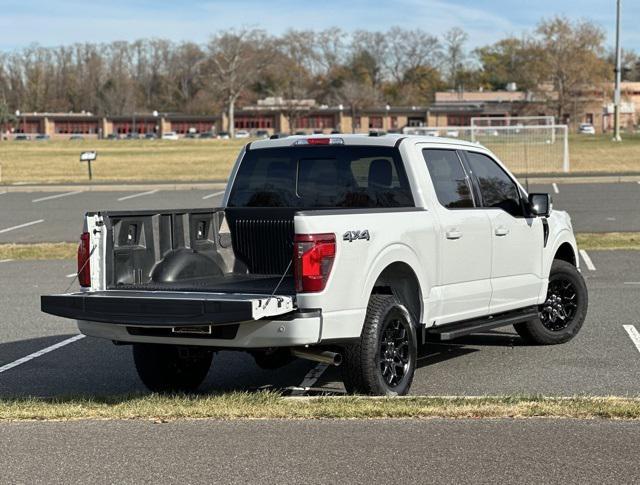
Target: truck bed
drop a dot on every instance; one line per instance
(245, 251)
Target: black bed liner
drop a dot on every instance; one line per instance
(231, 283)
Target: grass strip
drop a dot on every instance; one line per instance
(608, 240)
(270, 405)
(38, 251)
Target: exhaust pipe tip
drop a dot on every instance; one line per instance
(321, 356)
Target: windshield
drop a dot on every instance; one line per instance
(321, 177)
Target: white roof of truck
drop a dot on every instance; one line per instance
(361, 139)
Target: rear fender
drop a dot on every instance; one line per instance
(395, 253)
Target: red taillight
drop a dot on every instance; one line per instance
(318, 141)
(313, 256)
(84, 267)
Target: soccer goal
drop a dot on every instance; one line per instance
(525, 149)
(488, 121)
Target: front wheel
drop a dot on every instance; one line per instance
(562, 314)
(383, 361)
(171, 368)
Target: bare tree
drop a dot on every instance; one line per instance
(357, 95)
(237, 58)
(410, 49)
(573, 62)
(455, 56)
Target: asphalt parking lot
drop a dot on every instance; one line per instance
(27, 217)
(321, 451)
(57, 216)
(602, 360)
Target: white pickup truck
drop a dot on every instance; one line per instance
(344, 249)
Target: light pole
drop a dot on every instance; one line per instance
(618, 71)
(24, 123)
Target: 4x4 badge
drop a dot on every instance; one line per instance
(353, 235)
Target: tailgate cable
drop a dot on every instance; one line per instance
(278, 285)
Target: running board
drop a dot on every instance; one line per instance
(450, 331)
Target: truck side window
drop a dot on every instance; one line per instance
(496, 187)
(448, 178)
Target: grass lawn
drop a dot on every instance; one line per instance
(164, 160)
(123, 160)
(599, 154)
(269, 405)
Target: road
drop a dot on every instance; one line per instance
(602, 360)
(322, 451)
(57, 216)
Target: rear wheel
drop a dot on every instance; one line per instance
(171, 368)
(383, 361)
(562, 314)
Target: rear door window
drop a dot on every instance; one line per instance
(449, 178)
(322, 177)
(497, 189)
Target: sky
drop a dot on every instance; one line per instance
(61, 22)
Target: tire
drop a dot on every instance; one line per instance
(171, 368)
(271, 359)
(564, 311)
(369, 365)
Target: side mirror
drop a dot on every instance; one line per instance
(539, 205)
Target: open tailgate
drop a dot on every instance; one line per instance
(154, 308)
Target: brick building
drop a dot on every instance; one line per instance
(275, 115)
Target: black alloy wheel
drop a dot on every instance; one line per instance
(394, 355)
(561, 304)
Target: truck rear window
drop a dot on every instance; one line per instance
(320, 177)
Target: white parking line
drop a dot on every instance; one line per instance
(634, 335)
(5, 260)
(40, 353)
(71, 275)
(555, 188)
(212, 195)
(26, 224)
(587, 260)
(309, 380)
(3, 192)
(132, 196)
(626, 282)
(57, 196)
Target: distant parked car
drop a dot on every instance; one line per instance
(207, 135)
(170, 135)
(223, 135)
(192, 136)
(76, 137)
(42, 137)
(133, 136)
(150, 136)
(586, 129)
(300, 132)
(242, 134)
(22, 137)
(113, 136)
(262, 134)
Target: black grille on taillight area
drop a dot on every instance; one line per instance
(262, 239)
